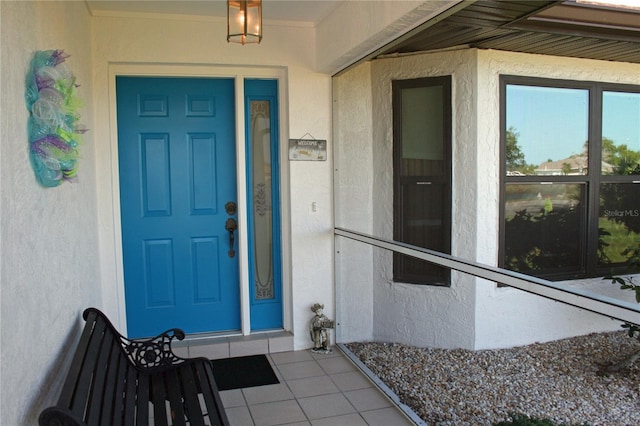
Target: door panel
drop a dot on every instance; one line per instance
(176, 144)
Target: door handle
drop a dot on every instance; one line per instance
(231, 208)
(231, 225)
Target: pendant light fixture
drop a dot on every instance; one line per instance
(244, 21)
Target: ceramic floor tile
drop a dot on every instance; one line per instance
(346, 420)
(314, 389)
(277, 413)
(280, 344)
(352, 380)
(267, 393)
(336, 365)
(317, 407)
(367, 399)
(300, 370)
(312, 386)
(239, 416)
(232, 398)
(385, 417)
(290, 357)
(334, 353)
(212, 351)
(244, 346)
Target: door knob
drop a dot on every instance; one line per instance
(231, 225)
(231, 208)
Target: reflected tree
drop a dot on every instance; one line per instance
(619, 204)
(515, 159)
(624, 198)
(542, 242)
(625, 161)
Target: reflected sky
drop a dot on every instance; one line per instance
(553, 122)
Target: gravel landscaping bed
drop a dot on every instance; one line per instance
(556, 380)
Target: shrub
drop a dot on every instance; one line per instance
(524, 420)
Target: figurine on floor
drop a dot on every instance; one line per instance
(318, 329)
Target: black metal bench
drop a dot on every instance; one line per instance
(117, 381)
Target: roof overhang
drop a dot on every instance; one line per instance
(577, 28)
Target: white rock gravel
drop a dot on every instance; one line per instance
(556, 380)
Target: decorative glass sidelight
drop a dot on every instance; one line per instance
(262, 199)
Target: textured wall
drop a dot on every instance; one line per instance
(473, 313)
(426, 315)
(354, 203)
(508, 317)
(49, 262)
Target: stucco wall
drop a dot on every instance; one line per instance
(49, 260)
(420, 315)
(426, 315)
(354, 203)
(473, 313)
(504, 316)
(198, 45)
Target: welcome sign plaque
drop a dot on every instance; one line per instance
(307, 149)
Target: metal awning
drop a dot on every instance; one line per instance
(576, 28)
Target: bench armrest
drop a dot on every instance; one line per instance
(155, 353)
(149, 355)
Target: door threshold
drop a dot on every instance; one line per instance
(225, 345)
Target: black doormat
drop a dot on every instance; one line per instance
(243, 372)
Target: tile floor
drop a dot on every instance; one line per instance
(314, 389)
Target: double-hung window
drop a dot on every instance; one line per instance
(570, 186)
(422, 175)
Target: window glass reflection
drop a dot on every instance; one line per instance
(619, 224)
(620, 133)
(544, 227)
(546, 131)
(423, 137)
(424, 226)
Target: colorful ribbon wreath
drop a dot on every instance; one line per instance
(53, 121)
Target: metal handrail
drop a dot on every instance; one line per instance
(604, 305)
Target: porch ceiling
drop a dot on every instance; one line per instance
(573, 28)
(549, 27)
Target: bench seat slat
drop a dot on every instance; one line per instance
(83, 387)
(111, 398)
(119, 408)
(142, 397)
(190, 390)
(66, 395)
(212, 399)
(130, 389)
(98, 392)
(174, 395)
(159, 398)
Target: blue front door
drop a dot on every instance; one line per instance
(176, 149)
